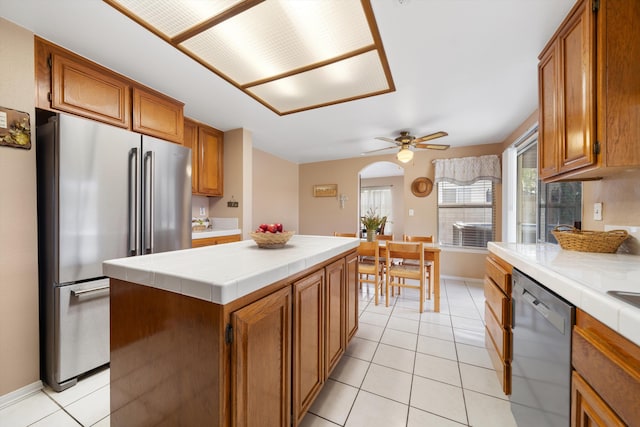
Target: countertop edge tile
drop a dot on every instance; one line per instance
(231, 270)
(214, 233)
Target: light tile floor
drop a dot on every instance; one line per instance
(402, 368)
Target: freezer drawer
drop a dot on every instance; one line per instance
(82, 327)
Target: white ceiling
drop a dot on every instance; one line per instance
(467, 67)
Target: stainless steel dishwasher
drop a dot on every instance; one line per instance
(541, 365)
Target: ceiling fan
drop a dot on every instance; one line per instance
(405, 141)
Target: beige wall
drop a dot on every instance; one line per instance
(275, 191)
(323, 216)
(237, 179)
(19, 348)
(620, 197)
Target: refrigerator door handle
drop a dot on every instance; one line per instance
(134, 235)
(149, 171)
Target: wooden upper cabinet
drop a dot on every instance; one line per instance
(619, 82)
(567, 95)
(588, 78)
(81, 89)
(210, 152)
(70, 83)
(157, 115)
(190, 140)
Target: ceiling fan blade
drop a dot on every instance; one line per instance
(430, 137)
(379, 149)
(382, 138)
(433, 146)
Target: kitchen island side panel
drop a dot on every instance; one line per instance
(166, 352)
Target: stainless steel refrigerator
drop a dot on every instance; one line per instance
(103, 193)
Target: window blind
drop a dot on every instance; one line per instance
(466, 214)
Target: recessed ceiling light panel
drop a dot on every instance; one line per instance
(290, 55)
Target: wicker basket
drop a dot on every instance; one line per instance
(272, 240)
(200, 227)
(572, 239)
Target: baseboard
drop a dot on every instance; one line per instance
(21, 393)
(472, 281)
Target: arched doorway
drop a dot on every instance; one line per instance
(381, 187)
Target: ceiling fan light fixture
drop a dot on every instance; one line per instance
(405, 155)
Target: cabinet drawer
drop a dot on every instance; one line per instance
(499, 303)
(503, 369)
(610, 364)
(500, 274)
(501, 336)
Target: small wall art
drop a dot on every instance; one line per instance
(325, 190)
(15, 129)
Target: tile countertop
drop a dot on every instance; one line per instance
(583, 279)
(223, 273)
(214, 233)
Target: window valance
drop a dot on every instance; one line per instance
(467, 170)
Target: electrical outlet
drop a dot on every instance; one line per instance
(410, 212)
(597, 211)
(202, 211)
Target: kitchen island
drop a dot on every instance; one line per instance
(231, 334)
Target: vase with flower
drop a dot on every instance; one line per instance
(371, 222)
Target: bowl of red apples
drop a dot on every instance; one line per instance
(271, 236)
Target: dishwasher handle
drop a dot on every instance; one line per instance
(552, 317)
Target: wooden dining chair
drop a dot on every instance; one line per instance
(370, 250)
(428, 265)
(396, 274)
(336, 234)
(387, 237)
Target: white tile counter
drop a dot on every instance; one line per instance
(223, 273)
(583, 279)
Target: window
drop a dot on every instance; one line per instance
(379, 200)
(466, 214)
(540, 206)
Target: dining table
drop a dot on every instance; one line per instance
(431, 254)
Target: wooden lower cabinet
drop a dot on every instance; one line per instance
(209, 241)
(352, 295)
(606, 377)
(498, 318)
(336, 340)
(261, 362)
(308, 342)
(587, 408)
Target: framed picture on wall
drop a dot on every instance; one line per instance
(15, 128)
(325, 190)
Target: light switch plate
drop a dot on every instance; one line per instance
(597, 211)
(410, 212)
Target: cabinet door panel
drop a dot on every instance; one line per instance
(261, 362)
(352, 295)
(191, 141)
(549, 136)
(80, 89)
(577, 96)
(619, 51)
(335, 315)
(308, 342)
(157, 115)
(587, 408)
(209, 161)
